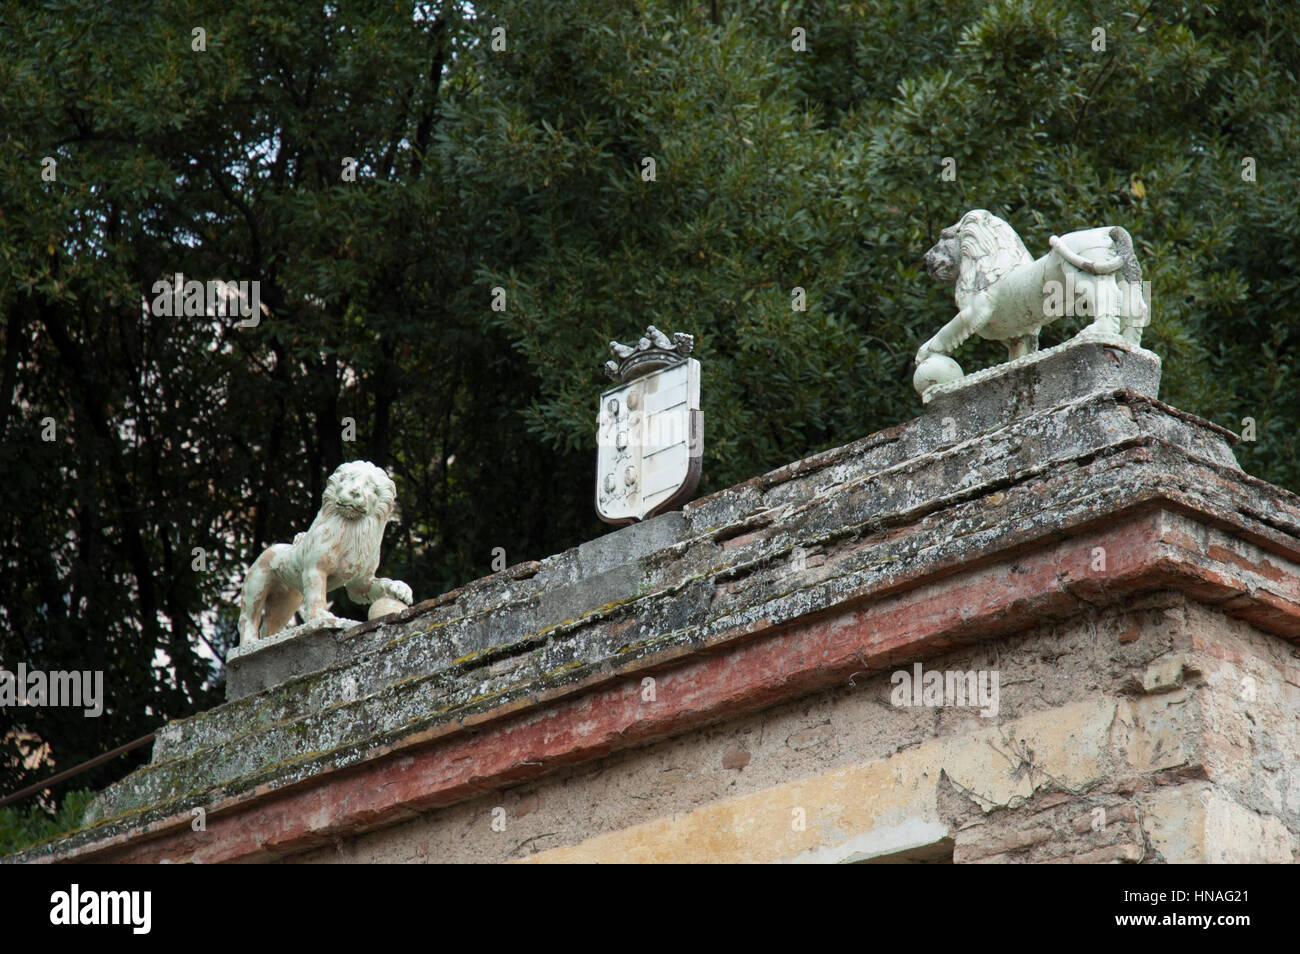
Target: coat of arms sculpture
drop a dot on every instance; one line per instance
(650, 429)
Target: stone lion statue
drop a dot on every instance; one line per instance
(341, 548)
(1004, 294)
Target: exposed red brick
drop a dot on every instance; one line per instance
(735, 758)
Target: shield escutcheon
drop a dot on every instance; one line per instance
(650, 434)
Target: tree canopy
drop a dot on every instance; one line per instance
(147, 458)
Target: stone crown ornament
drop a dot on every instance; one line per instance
(655, 350)
(1004, 294)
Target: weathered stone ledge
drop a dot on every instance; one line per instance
(412, 654)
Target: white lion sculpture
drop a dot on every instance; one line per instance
(341, 548)
(1005, 295)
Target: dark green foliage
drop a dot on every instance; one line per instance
(522, 169)
(32, 824)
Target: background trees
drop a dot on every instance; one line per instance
(522, 169)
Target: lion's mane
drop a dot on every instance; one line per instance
(358, 537)
(989, 249)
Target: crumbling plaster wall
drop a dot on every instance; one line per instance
(1158, 731)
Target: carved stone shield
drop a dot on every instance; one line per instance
(650, 433)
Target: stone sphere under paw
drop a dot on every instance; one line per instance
(936, 369)
(384, 606)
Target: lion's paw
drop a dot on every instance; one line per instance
(399, 591)
(327, 619)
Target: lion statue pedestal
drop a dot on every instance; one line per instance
(341, 548)
(1004, 294)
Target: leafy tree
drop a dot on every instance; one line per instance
(33, 824)
(504, 145)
